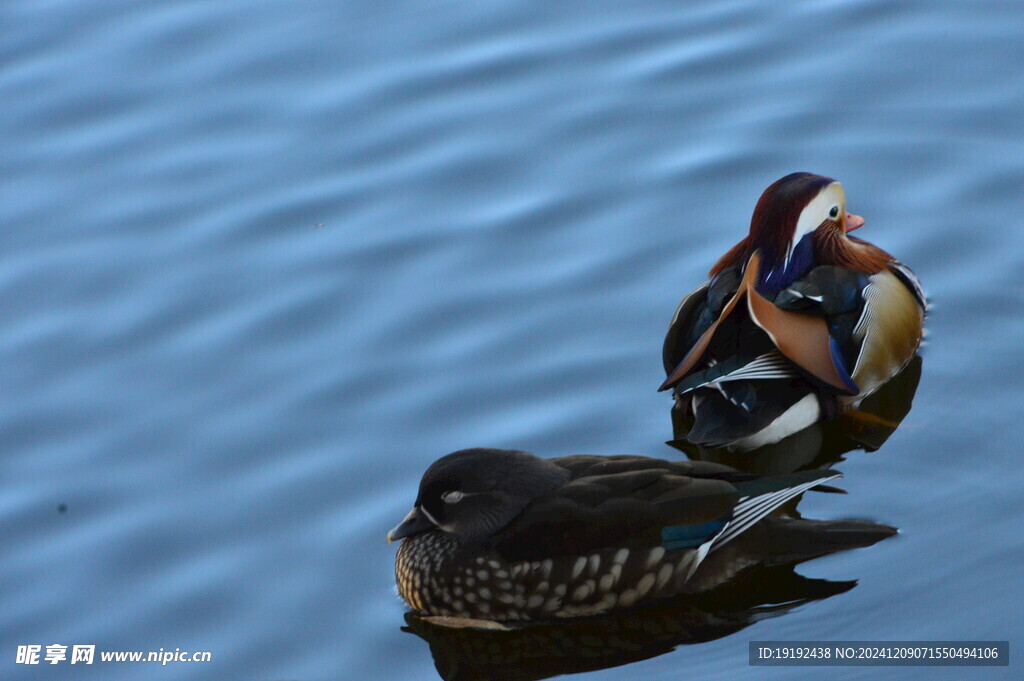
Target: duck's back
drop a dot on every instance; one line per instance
(743, 391)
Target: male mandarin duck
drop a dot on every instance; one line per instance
(505, 536)
(798, 322)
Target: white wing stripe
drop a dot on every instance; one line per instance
(769, 365)
(753, 509)
(868, 320)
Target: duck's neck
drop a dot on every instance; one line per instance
(818, 248)
(779, 270)
(420, 557)
(850, 252)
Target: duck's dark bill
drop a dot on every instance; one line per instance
(413, 523)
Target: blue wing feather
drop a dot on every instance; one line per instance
(690, 536)
(840, 364)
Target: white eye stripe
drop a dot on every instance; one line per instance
(452, 497)
(816, 212)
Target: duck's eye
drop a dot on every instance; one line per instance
(452, 497)
(834, 213)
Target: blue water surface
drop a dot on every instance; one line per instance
(261, 263)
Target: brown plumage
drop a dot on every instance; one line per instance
(503, 535)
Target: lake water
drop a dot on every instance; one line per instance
(263, 262)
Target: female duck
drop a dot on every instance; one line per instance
(799, 321)
(505, 536)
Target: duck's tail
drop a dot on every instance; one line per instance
(794, 540)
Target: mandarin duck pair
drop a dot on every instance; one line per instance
(799, 322)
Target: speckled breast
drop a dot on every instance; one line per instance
(437, 576)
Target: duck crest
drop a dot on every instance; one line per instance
(773, 227)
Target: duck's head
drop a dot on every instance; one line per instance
(474, 493)
(795, 218)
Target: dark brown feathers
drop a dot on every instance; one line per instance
(607, 505)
